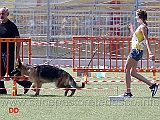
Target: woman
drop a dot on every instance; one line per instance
(139, 39)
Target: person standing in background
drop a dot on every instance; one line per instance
(31, 23)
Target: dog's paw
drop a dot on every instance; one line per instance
(33, 89)
(69, 95)
(36, 94)
(65, 93)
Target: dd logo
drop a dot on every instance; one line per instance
(13, 110)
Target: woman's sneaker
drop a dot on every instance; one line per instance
(127, 95)
(154, 88)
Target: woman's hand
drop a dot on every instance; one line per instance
(152, 57)
(130, 26)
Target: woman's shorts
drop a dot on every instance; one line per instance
(136, 54)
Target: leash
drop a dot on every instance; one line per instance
(93, 55)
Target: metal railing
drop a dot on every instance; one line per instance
(60, 20)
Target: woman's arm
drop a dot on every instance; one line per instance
(130, 26)
(144, 32)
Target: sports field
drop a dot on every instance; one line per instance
(87, 104)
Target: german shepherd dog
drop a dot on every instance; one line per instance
(45, 74)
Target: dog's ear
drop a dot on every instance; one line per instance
(18, 59)
(19, 63)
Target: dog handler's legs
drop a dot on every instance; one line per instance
(130, 70)
(129, 64)
(3, 71)
(138, 76)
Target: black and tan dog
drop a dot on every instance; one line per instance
(45, 74)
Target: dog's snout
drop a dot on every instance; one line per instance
(13, 71)
(16, 72)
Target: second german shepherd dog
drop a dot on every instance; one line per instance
(45, 74)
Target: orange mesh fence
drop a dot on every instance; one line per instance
(109, 54)
(25, 51)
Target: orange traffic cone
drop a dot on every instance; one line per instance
(14, 88)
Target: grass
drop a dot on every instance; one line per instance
(85, 104)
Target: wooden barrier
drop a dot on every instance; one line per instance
(25, 50)
(95, 54)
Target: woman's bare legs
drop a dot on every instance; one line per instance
(130, 70)
(138, 76)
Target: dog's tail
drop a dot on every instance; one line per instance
(75, 85)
